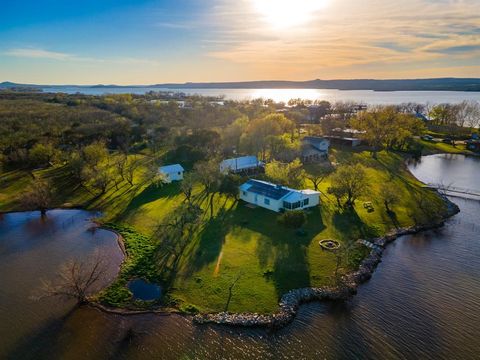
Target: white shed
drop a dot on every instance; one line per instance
(172, 172)
(240, 164)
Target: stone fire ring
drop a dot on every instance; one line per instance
(329, 244)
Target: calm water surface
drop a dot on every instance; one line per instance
(423, 302)
(279, 95)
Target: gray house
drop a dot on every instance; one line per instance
(314, 149)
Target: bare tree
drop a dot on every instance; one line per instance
(75, 280)
(187, 186)
(38, 197)
(389, 193)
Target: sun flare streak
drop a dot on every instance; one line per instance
(284, 14)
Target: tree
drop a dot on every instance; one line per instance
(318, 174)
(208, 174)
(386, 126)
(186, 186)
(389, 194)
(290, 174)
(259, 130)
(229, 185)
(95, 153)
(39, 196)
(131, 165)
(98, 178)
(42, 154)
(75, 280)
(293, 219)
(348, 181)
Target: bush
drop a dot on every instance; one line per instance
(293, 219)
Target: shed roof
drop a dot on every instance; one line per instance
(168, 169)
(243, 162)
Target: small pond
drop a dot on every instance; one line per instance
(143, 290)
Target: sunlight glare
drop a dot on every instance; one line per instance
(288, 13)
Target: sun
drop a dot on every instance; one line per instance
(284, 14)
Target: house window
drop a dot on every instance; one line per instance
(287, 205)
(266, 201)
(244, 193)
(294, 205)
(305, 202)
(179, 173)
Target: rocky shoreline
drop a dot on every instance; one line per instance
(291, 301)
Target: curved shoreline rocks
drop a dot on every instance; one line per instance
(291, 301)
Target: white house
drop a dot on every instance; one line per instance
(240, 164)
(172, 172)
(277, 197)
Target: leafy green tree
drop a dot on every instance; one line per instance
(95, 153)
(290, 174)
(42, 154)
(349, 182)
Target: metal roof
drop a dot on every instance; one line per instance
(168, 169)
(269, 190)
(240, 163)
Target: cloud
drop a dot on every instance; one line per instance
(348, 35)
(32, 53)
(38, 54)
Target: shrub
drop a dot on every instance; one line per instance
(293, 219)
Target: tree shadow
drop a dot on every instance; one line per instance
(393, 217)
(152, 193)
(283, 248)
(40, 343)
(350, 225)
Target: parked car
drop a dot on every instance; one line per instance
(448, 140)
(427, 137)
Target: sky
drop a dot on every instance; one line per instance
(161, 41)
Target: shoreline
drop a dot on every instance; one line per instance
(291, 301)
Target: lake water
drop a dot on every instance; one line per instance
(279, 95)
(423, 302)
(33, 248)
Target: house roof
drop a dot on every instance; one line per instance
(239, 163)
(314, 142)
(168, 169)
(275, 192)
(264, 188)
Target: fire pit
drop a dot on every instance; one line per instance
(329, 244)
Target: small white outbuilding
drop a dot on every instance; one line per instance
(240, 164)
(172, 172)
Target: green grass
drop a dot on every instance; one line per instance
(430, 147)
(239, 245)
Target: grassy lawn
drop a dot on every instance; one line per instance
(430, 148)
(241, 259)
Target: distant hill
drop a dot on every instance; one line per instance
(438, 84)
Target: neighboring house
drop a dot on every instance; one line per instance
(244, 164)
(314, 149)
(276, 197)
(344, 141)
(172, 172)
